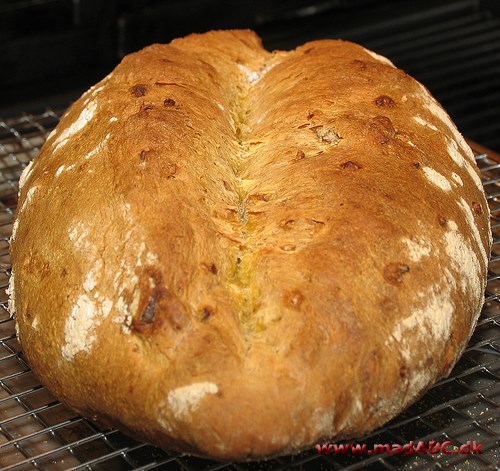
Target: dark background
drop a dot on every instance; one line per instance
(53, 50)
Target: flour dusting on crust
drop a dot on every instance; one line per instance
(467, 210)
(11, 303)
(458, 140)
(15, 225)
(423, 122)
(437, 179)
(418, 248)
(252, 76)
(98, 148)
(460, 160)
(323, 422)
(457, 179)
(185, 399)
(83, 119)
(379, 58)
(463, 260)
(79, 329)
(78, 235)
(418, 379)
(124, 316)
(433, 317)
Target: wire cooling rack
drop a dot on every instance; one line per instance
(37, 432)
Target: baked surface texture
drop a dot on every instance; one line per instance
(234, 252)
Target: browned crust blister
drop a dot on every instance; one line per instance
(234, 253)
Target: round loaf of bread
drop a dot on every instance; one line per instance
(235, 253)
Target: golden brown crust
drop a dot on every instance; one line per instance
(234, 252)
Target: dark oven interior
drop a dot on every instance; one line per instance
(53, 50)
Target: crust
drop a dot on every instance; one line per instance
(234, 253)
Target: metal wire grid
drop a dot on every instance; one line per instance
(37, 432)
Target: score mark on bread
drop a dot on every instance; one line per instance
(234, 252)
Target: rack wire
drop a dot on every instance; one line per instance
(37, 432)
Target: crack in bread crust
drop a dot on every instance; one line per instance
(246, 293)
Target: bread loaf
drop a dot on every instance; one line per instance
(234, 253)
